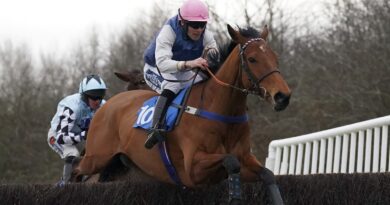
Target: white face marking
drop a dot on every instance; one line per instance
(262, 48)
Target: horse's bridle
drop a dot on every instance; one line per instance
(255, 88)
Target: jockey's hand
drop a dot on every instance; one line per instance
(213, 59)
(197, 63)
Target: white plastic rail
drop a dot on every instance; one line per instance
(362, 147)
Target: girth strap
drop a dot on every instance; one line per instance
(168, 164)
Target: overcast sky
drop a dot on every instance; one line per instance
(56, 25)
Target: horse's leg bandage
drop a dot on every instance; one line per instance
(232, 166)
(269, 181)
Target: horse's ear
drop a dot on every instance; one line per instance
(264, 33)
(235, 35)
(123, 76)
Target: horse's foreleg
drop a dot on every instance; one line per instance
(220, 164)
(232, 166)
(269, 180)
(253, 171)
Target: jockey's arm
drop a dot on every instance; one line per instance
(66, 132)
(209, 41)
(163, 53)
(212, 56)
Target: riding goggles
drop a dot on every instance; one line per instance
(95, 98)
(197, 24)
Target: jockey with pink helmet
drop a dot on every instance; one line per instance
(172, 56)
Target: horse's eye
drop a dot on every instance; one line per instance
(252, 60)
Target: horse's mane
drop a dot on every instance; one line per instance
(226, 48)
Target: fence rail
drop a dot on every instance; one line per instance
(362, 147)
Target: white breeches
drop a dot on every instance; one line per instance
(159, 83)
(64, 150)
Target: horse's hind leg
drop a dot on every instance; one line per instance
(118, 166)
(232, 166)
(269, 181)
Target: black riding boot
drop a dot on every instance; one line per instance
(67, 171)
(156, 135)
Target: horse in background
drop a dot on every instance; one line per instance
(202, 150)
(134, 78)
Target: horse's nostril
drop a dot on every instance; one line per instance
(281, 100)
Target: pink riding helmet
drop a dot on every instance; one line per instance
(194, 10)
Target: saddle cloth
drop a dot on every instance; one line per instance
(145, 113)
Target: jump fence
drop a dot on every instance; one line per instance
(361, 147)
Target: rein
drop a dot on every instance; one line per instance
(192, 77)
(261, 91)
(255, 89)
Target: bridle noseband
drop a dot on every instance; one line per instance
(255, 88)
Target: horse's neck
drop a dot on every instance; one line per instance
(223, 99)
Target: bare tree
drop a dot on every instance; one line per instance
(127, 48)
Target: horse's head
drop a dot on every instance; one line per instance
(259, 65)
(134, 78)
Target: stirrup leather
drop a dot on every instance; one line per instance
(157, 132)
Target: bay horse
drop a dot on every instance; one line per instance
(202, 151)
